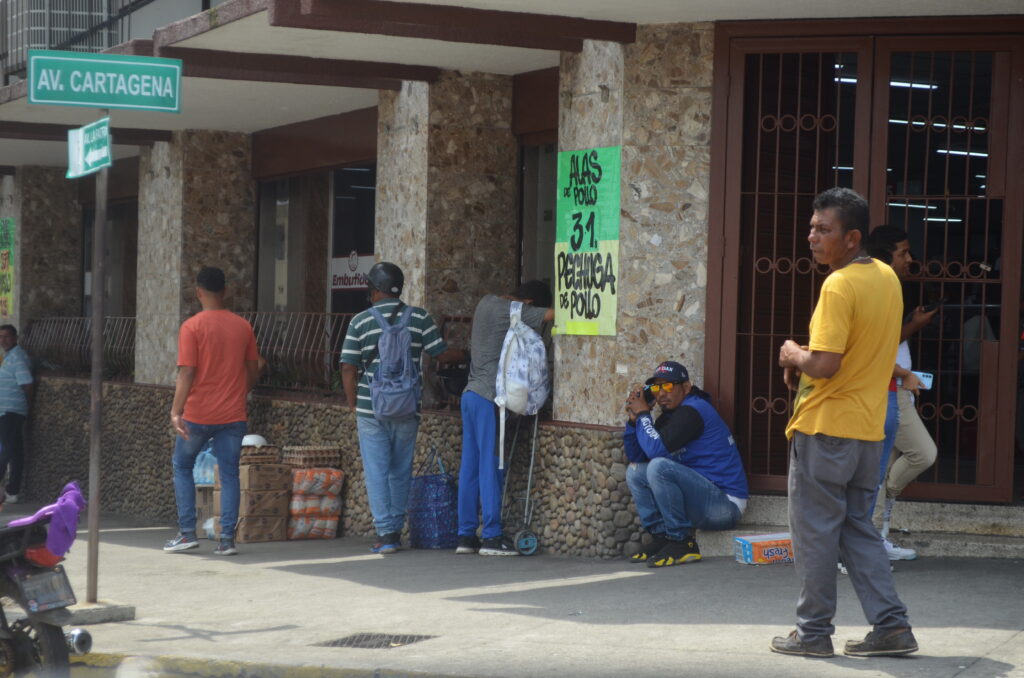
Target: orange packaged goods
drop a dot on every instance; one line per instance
(762, 549)
(316, 503)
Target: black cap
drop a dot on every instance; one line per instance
(386, 277)
(670, 371)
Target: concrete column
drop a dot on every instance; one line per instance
(446, 189)
(48, 243)
(654, 98)
(588, 385)
(401, 207)
(196, 208)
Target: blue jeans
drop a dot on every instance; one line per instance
(892, 425)
(480, 480)
(227, 448)
(387, 449)
(674, 500)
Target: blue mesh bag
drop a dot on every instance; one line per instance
(433, 507)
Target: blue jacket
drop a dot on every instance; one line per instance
(713, 454)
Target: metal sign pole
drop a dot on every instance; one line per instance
(99, 230)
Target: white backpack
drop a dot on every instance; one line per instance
(523, 383)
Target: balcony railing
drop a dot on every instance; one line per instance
(64, 346)
(302, 350)
(75, 25)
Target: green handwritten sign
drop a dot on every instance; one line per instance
(6, 267)
(587, 241)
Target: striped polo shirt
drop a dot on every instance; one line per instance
(361, 342)
(15, 372)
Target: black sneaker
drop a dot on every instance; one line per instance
(649, 550)
(676, 552)
(467, 545)
(387, 544)
(182, 542)
(498, 546)
(226, 547)
(883, 644)
(791, 644)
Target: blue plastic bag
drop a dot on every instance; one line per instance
(203, 470)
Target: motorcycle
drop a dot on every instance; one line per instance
(35, 592)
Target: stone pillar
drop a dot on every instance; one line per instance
(446, 189)
(472, 212)
(196, 208)
(653, 97)
(401, 206)
(48, 243)
(588, 377)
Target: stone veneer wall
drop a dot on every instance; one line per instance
(48, 244)
(582, 504)
(197, 207)
(472, 215)
(158, 307)
(654, 98)
(401, 203)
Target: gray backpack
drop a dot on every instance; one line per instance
(395, 388)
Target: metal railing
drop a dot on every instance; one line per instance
(75, 25)
(64, 346)
(301, 349)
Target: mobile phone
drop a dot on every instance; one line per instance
(931, 307)
(925, 378)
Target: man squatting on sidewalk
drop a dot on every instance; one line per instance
(684, 469)
(836, 434)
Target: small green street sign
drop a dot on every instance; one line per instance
(104, 81)
(89, 149)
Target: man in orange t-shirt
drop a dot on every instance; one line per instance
(217, 366)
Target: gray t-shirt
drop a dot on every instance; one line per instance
(490, 323)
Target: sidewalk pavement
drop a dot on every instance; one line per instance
(274, 603)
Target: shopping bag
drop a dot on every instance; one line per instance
(433, 507)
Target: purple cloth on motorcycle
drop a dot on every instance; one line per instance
(63, 515)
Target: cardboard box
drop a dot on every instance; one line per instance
(254, 529)
(268, 503)
(262, 477)
(762, 549)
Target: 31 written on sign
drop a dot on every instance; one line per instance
(587, 240)
(104, 81)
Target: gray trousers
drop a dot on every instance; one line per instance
(832, 483)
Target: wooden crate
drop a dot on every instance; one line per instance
(311, 456)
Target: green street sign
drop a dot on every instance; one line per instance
(89, 149)
(104, 81)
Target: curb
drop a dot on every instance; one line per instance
(106, 664)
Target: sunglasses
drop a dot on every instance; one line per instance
(666, 387)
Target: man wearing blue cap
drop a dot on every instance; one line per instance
(684, 469)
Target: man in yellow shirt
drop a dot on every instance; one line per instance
(836, 433)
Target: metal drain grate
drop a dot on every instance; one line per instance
(375, 641)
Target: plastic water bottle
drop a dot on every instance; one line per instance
(202, 471)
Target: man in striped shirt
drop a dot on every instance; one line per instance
(15, 393)
(387, 446)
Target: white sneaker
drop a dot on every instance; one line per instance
(898, 552)
(11, 498)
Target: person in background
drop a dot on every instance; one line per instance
(684, 472)
(913, 448)
(217, 366)
(386, 446)
(16, 386)
(480, 479)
